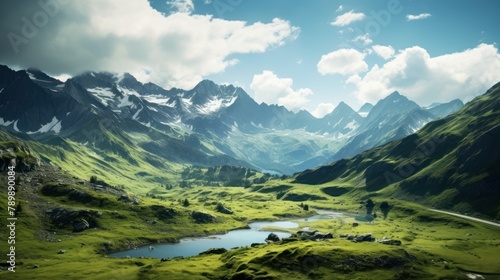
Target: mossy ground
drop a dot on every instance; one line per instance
(435, 245)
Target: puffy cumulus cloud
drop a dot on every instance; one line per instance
(342, 61)
(182, 6)
(106, 35)
(323, 109)
(425, 79)
(384, 52)
(418, 17)
(365, 39)
(271, 89)
(347, 18)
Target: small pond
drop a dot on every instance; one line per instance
(236, 238)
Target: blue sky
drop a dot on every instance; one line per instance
(300, 54)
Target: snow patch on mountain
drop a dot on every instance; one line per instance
(105, 95)
(127, 91)
(5, 123)
(210, 107)
(157, 99)
(352, 125)
(54, 125)
(15, 126)
(135, 116)
(125, 101)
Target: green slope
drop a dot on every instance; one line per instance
(451, 163)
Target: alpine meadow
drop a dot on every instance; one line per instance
(240, 140)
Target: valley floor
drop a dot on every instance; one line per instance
(434, 245)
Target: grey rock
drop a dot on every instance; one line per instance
(81, 226)
(272, 237)
(203, 217)
(214, 251)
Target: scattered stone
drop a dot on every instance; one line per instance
(364, 237)
(107, 245)
(61, 252)
(224, 210)
(355, 224)
(164, 259)
(203, 217)
(256, 244)
(214, 251)
(390, 242)
(136, 201)
(272, 237)
(36, 266)
(312, 235)
(81, 226)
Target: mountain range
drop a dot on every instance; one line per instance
(451, 163)
(208, 125)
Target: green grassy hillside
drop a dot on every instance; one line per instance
(451, 163)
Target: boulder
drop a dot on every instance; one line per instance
(61, 252)
(320, 235)
(203, 217)
(214, 251)
(364, 237)
(390, 241)
(222, 209)
(81, 226)
(272, 238)
(64, 217)
(136, 201)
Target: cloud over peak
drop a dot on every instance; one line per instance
(343, 62)
(426, 79)
(105, 35)
(271, 89)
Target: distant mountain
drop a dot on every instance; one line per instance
(205, 125)
(441, 110)
(365, 109)
(450, 163)
(340, 123)
(390, 119)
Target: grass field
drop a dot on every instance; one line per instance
(434, 245)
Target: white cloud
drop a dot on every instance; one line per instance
(323, 109)
(365, 39)
(425, 79)
(339, 9)
(384, 52)
(343, 61)
(417, 17)
(347, 18)
(105, 35)
(182, 6)
(271, 89)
